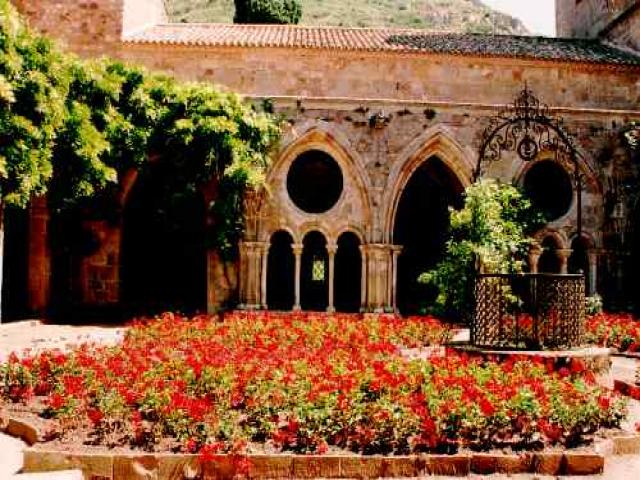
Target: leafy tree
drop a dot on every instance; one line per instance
(70, 128)
(33, 86)
(268, 11)
(490, 234)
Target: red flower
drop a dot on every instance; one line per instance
(95, 415)
(577, 366)
(191, 446)
(486, 407)
(209, 451)
(56, 401)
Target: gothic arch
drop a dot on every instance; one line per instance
(591, 181)
(311, 227)
(560, 239)
(587, 237)
(268, 233)
(342, 229)
(438, 142)
(324, 133)
(326, 138)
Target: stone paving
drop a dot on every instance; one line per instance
(35, 335)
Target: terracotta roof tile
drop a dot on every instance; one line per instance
(385, 40)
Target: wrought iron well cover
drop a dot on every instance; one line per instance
(529, 311)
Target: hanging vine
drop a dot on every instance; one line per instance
(72, 128)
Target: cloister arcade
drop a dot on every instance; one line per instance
(329, 236)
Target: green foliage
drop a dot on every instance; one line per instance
(268, 11)
(73, 127)
(594, 305)
(490, 234)
(462, 16)
(33, 85)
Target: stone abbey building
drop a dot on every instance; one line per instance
(384, 130)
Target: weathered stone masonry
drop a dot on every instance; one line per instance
(380, 112)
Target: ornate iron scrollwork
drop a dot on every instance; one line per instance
(528, 128)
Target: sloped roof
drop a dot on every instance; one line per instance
(385, 40)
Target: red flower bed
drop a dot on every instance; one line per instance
(305, 383)
(619, 331)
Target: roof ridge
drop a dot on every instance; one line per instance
(275, 26)
(392, 40)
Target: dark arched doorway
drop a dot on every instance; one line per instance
(280, 272)
(348, 274)
(549, 261)
(314, 281)
(421, 228)
(579, 259)
(164, 259)
(15, 266)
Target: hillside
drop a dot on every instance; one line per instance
(447, 15)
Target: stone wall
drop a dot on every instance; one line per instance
(277, 72)
(626, 31)
(587, 18)
(379, 115)
(87, 27)
(91, 27)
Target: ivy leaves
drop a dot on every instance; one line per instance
(73, 127)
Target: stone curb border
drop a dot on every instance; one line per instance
(633, 355)
(106, 466)
(180, 467)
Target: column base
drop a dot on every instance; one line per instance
(331, 310)
(297, 308)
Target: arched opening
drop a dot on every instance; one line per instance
(15, 267)
(549, 261)
(164, 258)
(421, 228)
(314, 273)
(629, 282)
(579, 259)
(348, 274)
(315, 182)
(550, 189)
(280, 272)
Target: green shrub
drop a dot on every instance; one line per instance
(268, 11)
(72, 128)
(490, 234)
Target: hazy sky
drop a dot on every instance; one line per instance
(537, 15)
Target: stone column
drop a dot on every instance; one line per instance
(363, 278)
(243, 272)
(251, 261)
(263, 280)
(563, 257)
(397, 250)
(535, 252)
(39, 257)
(593, 273)
(331, 251)
(297, 252)
(379, 266)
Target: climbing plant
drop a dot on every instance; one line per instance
(33, 85)
(72, 127)
(268, 11)
(489, 234)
